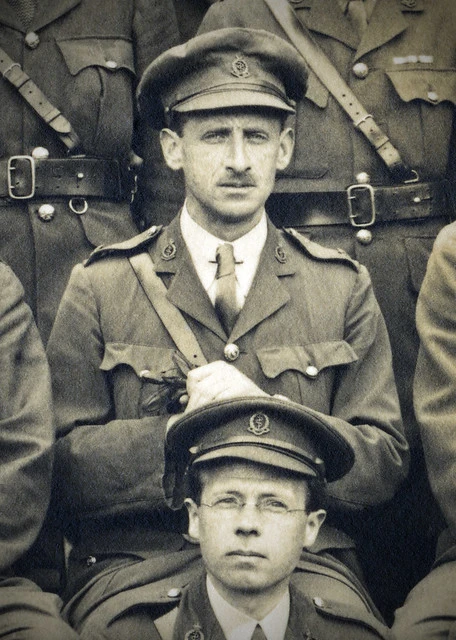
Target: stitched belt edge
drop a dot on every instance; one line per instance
(393, 203)
(63, 177)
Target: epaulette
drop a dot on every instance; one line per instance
(318, 251)
(130, 246)
(356, 615)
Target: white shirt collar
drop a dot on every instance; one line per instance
(237, 625)
(202, 246)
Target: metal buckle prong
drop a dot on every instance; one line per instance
(350, 197)
(11, 168)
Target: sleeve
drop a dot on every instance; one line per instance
(107, 462)
(435, 376)
(366, 409)
(26, 424)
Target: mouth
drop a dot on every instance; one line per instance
(246, 554)
(236, 184)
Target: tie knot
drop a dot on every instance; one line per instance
(225, 260)
(258, 633)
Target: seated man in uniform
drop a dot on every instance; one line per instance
(252, 473)
(264, 312)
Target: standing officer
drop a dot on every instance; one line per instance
(254, 311)
(399, 58)
(69, 72)
(26, 447)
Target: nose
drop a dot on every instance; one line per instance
(248, 521)
(238, 157)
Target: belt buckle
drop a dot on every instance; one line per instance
(351, 197)
(11, 168)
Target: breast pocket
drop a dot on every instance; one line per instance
(143, 379)
(421, 115)
(306, 373)
(100, 92)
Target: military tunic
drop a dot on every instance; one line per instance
(85, 57)
(323, 346)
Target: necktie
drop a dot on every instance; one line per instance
(258, 633)
(226, 305)
(356, 11)
(25, 9)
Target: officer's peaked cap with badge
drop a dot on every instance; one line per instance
(232, 67)
(265, 429)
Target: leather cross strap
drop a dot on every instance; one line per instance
(318, 62)
(173, 320)
(14, 74)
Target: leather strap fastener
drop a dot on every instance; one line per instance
(24, 178)
(371, 204)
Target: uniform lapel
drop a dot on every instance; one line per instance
(326, 17)
(267, 293)
(387, 21)
(185, 290)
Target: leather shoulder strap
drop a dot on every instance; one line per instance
(172, 318)
(14, 74)
(318, 62)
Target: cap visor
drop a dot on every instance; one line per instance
(256, 454)
(228, 98)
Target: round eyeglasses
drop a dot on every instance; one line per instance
(266, 506)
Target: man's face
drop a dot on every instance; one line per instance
(252, 548)
(229, 159)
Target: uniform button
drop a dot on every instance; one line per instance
(361, 70)
(311, 371)
(364, 236)
(231, 352)
(319, 602)
(90, 561)
(111, 64)
(362, 178)
(32, 40)
(46, 212)
(174, 592)
(40, 153)
(433, 96)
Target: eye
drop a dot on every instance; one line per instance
(257, 137)
(214, 137)
(226, 502)
(273, 505)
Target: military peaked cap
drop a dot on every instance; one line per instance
(233, 67)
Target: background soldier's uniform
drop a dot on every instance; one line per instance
(85, 57)
(327, 349)
(404, 72)
(26, 440)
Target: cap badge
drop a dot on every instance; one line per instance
(259, 424)
(239, 67)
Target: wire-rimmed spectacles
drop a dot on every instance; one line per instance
(266, 506)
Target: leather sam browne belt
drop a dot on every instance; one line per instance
(364, 205)
(23, 177)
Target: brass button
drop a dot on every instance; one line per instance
(319, 602)
(46, 212)
(111, 64)
(231, 352)
(433, 96)
(362, 177)
(40, 153)
(90, 561)
(32, 40)
(174, 592)
(361, 70)
(364, 236)
(311, 371)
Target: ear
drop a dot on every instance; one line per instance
(286, 147)
(193, 519)
(171, 144)
(314, 521)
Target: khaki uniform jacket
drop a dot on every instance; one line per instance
(310, 329)
(87, 58)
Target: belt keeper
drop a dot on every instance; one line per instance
(75, 208)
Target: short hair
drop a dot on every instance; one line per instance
(315, 486)
(176, 120)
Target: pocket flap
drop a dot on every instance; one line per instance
(141, 358)
(308, 359)
(109, 53)
(431, 85)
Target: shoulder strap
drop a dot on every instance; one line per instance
(13, 72)
(172, 318)
(318, 62)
